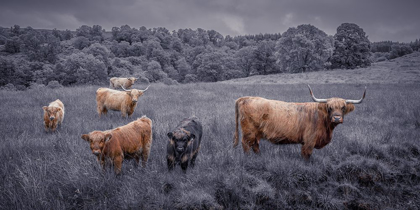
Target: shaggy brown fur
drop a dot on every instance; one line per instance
(53, 115)
(117, 82)
(309, 124)
(129, 141)
(124, 101)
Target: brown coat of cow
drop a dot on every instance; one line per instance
(129, 141)
(53, 115)
(124, 101)
(310, 124)
(117, 82)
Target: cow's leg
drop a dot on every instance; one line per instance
(170, 160)
(306, 150)
(46, 126)
(192, 162)
(99, 108)
(184, 166)
(145, 154)
(249, 140)
(123, 112)
(54, 125)
(137, 158)
(256, 145)
(118, 164)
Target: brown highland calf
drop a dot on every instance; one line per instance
(309, 124)
(53, 115)
(117, 82)
(126, 142)
(124, 101)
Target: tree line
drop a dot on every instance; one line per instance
(91, 55)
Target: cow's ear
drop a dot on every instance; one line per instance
(322, 107)
(108, 136)
(128, 92)
(349, 108)
(85, 137)
(170, 135)
(44, 108)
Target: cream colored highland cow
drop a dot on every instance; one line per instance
(53, 115)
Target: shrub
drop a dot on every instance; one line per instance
(54, 84)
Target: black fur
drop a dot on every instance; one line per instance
(189, 129)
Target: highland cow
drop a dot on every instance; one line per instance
(53, 115)
(117, 82)
(309, 124)
(124, 101)
(126, 142)
(184, 143)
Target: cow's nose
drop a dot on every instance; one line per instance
(96, 153)
(51, 118)
(180, 149)
(337, 119)
(134, 101)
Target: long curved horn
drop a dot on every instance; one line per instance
(357, 101)
(124, 88)
(315, 99)
(146, 88)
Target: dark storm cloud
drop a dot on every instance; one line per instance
(380, 19)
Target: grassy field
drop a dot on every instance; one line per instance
(405, 69)
(371, 163)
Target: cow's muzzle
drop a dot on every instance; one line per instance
(97, 153)
(52, 118)
(180, 149)
(337, 119)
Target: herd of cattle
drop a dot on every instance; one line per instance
(310, 124)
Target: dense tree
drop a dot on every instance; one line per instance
(305, 48)
(245, 60)
(82, 68)
(12, 45)
(264, 58)
(215, 66)
(398, 50)
(81, 42)
(352, 47)
(154, 72)
(7, 71)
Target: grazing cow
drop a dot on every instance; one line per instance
(53, 115)
(184, 143)
(129, 141)
(116, 82)
(124, 101)
(310, 124)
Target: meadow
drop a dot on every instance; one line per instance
(371, 163)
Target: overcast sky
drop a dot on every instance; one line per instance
(395, 20)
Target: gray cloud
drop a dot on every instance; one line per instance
(380, 19)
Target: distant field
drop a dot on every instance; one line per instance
(404, 70)
(371, 163)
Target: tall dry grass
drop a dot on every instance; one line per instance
(372, 162)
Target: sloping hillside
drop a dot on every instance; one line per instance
(405, 69)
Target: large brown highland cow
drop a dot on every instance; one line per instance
(309, 124)
(129, 141)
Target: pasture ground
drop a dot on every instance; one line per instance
(371, 163)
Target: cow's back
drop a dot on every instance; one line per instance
(111, 99)
(131, 137)
(193, 126)
(274, 120)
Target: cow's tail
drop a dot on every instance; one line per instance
(236, 137)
